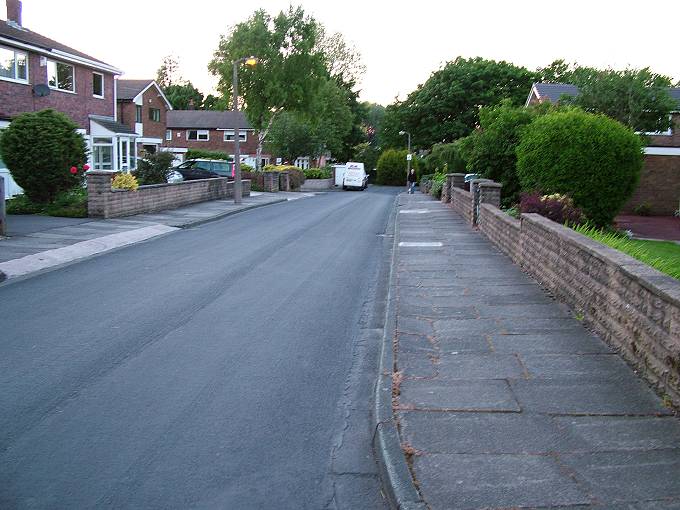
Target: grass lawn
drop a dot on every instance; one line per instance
(662, 255)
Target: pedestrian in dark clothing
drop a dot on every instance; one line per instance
(412, 179)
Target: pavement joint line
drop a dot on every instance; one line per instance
(433, 244)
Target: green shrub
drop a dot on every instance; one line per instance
(449, 154)
(246, 168)
(71, 203)
(592, 158)
(318, 173)
(154, 168)
(40, 149)
(643, 209)
(391, 167)
(490, 150)
(125, 181)
(203, 154)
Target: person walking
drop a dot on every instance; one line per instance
(412, 179)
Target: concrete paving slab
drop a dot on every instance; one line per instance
(628, 397)
(576, 366)
(524, 310)
(414, 343)
(628, 476)
(488, 395)
(495, 481)
(596, 433)
(417, 364)
(550, 342)
(477, 433)
(479, 366)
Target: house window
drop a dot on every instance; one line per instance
(168, 134)
(61, 76)
(229, 135)
(200, 135)
(154, 114)
(13, 65)
(98, 85)
(102, 153)
(138, 114)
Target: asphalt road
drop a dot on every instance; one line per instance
(225, 366)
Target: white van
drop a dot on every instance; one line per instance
(355, 177)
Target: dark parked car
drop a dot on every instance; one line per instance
(193, 169)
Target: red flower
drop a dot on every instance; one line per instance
(74, 170)
(86, 167)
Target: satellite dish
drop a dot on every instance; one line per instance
(41, 90)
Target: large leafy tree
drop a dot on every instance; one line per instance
(184, 96)
(446, 106)
(637, 98)
(289, 72)
(292, 136)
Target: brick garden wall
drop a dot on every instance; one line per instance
(107, 203)
(462, 203)
(633, 307)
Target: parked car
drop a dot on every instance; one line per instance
(355, 177)
(194, 169)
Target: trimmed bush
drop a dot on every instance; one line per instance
(592, 158)
(318, 173)
(392, 167)
(203, 154)
(445, 154)
(40, 149)
(154, 168)
(125, 181)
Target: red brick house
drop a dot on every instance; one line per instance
(143, 107)
(212, 131)
(37, 73)
(659, 186)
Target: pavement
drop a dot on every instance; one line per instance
(662, 228)
(501, 397)
(38, 243)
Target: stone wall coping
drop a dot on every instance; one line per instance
(653, 280)
(456, 173)
(101, 172)
(490, 184)
(502, 215)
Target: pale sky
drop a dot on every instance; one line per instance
(401, 42)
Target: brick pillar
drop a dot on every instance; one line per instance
(284, 181)
(271, 181)
(98, 192)
(476, 196)
(490, 193)
(446, 189)
(245, 187)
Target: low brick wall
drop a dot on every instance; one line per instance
(632, 306)
(104, 202)
(317, 184)
(462, 203)
(502, 229)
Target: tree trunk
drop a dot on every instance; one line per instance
(261, 137)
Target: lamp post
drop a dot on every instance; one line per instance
(408, 156)
(238, 192)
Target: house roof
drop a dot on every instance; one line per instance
(112, 125)
(129, 89)
(206, 119)
(554, 91)
(20, 34)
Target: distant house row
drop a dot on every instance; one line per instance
(121, 120)
(659, 187)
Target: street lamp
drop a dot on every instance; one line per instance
(408, 156)
(238, 192)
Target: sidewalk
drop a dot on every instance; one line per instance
(36, 243)
(504, 399)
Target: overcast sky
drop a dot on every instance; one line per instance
(401, 42)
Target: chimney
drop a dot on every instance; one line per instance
(14, 11)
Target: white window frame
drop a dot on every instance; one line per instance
(168, 135)
(56, 87)
(229, 135)
(16, 66)
(97, 144)
(152, 117)
(93, 93)
(198, 138)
